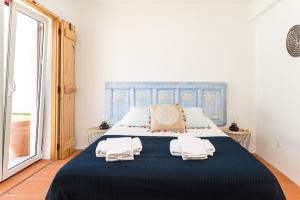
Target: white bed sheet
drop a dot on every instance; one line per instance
(214, 131)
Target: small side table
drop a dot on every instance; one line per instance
(242, 136)
(94, 133)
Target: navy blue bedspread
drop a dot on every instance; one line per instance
(232, 173)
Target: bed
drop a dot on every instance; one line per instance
(232, 173)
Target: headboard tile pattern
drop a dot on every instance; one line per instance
(212, 97)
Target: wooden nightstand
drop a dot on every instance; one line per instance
(94, 133)
(242, 136)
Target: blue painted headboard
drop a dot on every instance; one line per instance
(212, 97)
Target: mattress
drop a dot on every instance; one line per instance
(213, 131)
(232, 173)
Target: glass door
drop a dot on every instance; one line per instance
(24, 88)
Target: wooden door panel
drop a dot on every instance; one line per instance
(69, 89)
(67, 82)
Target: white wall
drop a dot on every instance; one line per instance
(278, 89)
(62, 8)
(163, 41)
(258, 7)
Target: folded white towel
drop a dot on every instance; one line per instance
(209, 147)
(136, 146)
(176, 151)
(101, 149)
(192, 148)
(118, 157)
(119, 149)
(175, 148)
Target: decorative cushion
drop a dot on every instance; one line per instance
(136, 117)
(195, 118)
(167, 118)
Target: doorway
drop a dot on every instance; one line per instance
(25, 32)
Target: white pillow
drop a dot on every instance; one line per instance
(136, 117)
(195, 118)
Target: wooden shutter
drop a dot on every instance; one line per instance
(67, 89)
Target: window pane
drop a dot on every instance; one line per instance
(6, 28)
(25, 101)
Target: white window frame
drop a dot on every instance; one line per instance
(19, 7)
(1, 80)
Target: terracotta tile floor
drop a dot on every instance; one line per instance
(291, 190)
(40, 175)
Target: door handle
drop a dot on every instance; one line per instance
(11, 88)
